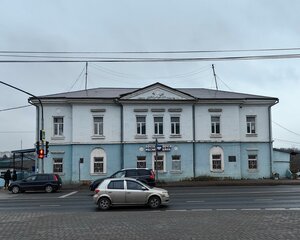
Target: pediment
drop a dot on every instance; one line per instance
(157, 92)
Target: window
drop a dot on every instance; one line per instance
(98, 165)
(98, 126)
(58, 126)
(176, 163)
(57, 165)
(175, 125)
(216, 162)
(141, 125)
(141, 162)
(252, 161)
(159, 163)
(118, 184)
(158, 126)
(216, 159)
(134, 185)
(231, 158)
(251, 126)
(215, 124)
(98, 161)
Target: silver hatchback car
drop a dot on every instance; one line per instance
(128, 191)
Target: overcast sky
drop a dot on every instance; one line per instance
(147, 26)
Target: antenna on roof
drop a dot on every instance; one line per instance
(215, 76)
(86, 74)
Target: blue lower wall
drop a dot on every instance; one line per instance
(71, 155)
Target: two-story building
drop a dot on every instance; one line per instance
(200, 132)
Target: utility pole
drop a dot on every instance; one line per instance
(215, 76)
(86, 75)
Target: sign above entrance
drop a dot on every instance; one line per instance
(161, 148)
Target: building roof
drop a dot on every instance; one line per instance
(114, 93)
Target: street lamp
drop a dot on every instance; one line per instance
(42, 112)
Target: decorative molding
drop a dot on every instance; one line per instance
(140, 110)
(215, 109)
(158, 110)
(175, 110)
(98, 110)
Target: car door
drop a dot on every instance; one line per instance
(28, 183)
(116, 191)
(136, 193)
(41, 182)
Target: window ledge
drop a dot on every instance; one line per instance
(217, 171)
(251, 135)
(98, 137)
(58, 138)
(141, 137)
(215, 135)
(252, 170)
(98, 174)
(176, 172)
(158, 136)
(175, 136)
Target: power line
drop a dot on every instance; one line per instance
(286, 129)
(7, 109)
(165, 59)
(153, 52)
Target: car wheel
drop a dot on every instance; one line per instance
(15, 189)
(49, 189)
(154, 202)
(104, 203)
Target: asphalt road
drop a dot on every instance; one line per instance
(285, 197)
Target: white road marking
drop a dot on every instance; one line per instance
(53, 205)
(201, 210)
(263, 199)
(294, 209)
(67, 195)
(195, 201)
(226, 209)
(250, 209)
(275, 209)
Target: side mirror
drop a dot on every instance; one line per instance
(144, 188)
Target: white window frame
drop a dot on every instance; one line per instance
(98, 153)
(58, 126)
(176, 159)
(215, 124)
(175, 126)
(252, 161)
(140, 125)
(56, 163)
(141, 162)
(163, 155)
(251, 125)
(98, 127)
(216, 151)
(158, 125)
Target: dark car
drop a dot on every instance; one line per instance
(38, 182)
(144, 175)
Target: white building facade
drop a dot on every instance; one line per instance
(201, 132)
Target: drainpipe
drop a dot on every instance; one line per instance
(270, 137)
(194, 144)
(121, 134)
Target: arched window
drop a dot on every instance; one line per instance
(98, 161)
(216, 159)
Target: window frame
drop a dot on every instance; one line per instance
(58, 126)
(141, 127)
(251, 124)
(158, 125)
(215, 125)
(141, 160)
(174, 160)
(175, 126)
(214, 151)
(253, 162)
(163, 155)
(57, 164)
(98, 127)
(98, 153)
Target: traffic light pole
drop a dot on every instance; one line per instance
(42, 110)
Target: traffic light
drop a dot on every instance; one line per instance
(41, 153)
(47, 149)
(37, 147)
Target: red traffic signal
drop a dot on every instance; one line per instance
(41, 153)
